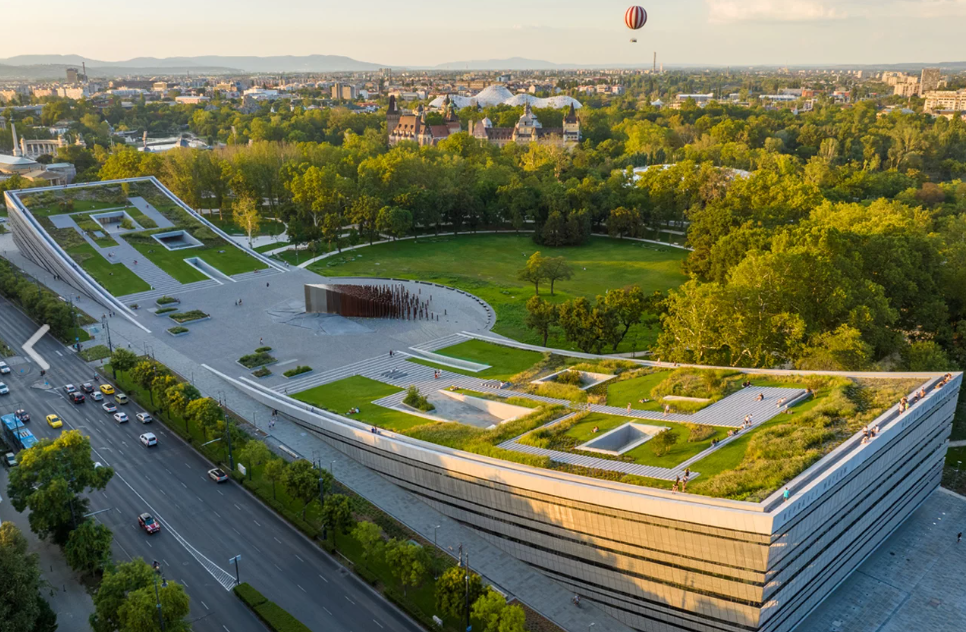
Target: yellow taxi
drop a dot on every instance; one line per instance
(107, 389)
(54, 421)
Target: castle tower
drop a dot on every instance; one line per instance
(571, 126)
(392, 115)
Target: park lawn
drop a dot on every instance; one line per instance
(272, 246)
(295, 257)
(619, 393)
(487, 266)
(231, 262)
(116, 278)
(955, 456)
(359, 392)
(171, 261)
(505, 362)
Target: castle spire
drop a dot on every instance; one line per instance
(16, 148)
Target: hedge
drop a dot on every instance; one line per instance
(269, 612)
(299, 370)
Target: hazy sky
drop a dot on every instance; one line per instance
(428, 32)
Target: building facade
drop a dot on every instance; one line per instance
(930, 80)
(945, 101)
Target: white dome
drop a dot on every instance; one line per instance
(497, 94)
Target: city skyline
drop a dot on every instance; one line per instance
(417, 33)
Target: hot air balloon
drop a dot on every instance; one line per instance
(635, 17)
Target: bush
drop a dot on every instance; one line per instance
(299, 370)
(703, 383)
(165, 300)
(253, 360)
(262, 372)
(249, 595)
(184, 317)
(127, 224)
(96, 352)
(269, 612)
(699, 433)
(573, 378)
(417, 400)
(559, 391)
(178, 330)
(263, 350)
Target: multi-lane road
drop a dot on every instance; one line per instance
(203, 524)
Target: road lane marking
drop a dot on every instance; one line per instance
(219, 491)
(226, 629)
(277, 566)
(186, 465)
(162, 491)
(256, 548)
(216, 513)
(326, 609)
(58, 353)
(349, 600)
(237, 507)
(207, 608)
(165, 562)
(28, 347)
(148, 543)
(300, 559)
(236, 530)
(300, 587)
(256, 522)
(374, 621)
(184, 583)
(276, 539)
(183, 485)
(323, 579)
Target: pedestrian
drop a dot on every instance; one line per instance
(260, 341)
(266, 285)
(785, 495)
(628, 407)
(959, 536)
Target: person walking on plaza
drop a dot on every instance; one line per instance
(959, 536)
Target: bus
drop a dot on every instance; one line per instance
(16, 435)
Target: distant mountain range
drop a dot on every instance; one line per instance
(53, 66)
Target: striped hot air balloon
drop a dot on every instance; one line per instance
(635, 17)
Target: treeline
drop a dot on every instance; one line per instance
(40, 304)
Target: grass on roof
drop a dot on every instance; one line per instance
(116, 278)
(504, 362)
(359, 392)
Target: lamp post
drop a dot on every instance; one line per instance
(235, 561)
(158, 571)
(435, 529)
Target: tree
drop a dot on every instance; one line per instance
(407, 562)
(332, 230)
(664, 441)
(143, 373)
(491, 608)
(88, 548)
(541, 316)
(925, 355)
(337, 515)
(534, 271)
(369, 535)
(451, 589)
(254, 454)
(205, 412)
(394, 221)
(628, 306)
(49, 480)
(125, 601)
(556, 269)
(274, 471)
(301, 481)
(123, 359)
(22, 609)
(247, 216)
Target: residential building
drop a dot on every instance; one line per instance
(930, 80)
(71, 75)
(343, 91)
(945, 100)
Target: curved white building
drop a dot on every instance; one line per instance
(498, 94)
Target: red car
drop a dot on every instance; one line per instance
(148, 523)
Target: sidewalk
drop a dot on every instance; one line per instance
(66, 595)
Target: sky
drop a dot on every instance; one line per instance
(430, 32)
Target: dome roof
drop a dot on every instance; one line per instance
(497, 94)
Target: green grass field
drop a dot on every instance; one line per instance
(359, 392)
(232, 261)
(634, 390)
(116, 278)
(487, 266)
(505, 362)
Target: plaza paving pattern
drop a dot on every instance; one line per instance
(398, 371)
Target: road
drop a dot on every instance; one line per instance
(203, 524)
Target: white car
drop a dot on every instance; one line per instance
(97, 396)
(120, 418)
(3, 389)
(144, 418)
(109, 407)
(4, 369)
(70, 388)
(148, 439)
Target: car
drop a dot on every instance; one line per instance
(107, 389)
(218, 475)
(54, 421)
(120, 418)
(87, 387)
(70, 388)
(109, 407)
(4, 389)
(148, 523)
(144, 418)
(97, 396)
(22, 416)
(121, 398)
(10, 459)
(4, 369)
(148, 439)
(77, 398)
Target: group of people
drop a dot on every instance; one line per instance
(681, 482)
(436, 374)
(353, 411)
(868, 434)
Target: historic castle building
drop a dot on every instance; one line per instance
(413, 126)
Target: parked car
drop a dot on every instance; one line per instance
(148, 439)
(54, 421)
(87, 387)
(107, 389)
(144, 418)
(121, 398)
(77, 397)
(218, 475)
(148, 523)
(70, 388)
(22, 415)
(4, 369)
(10, 459)
(120, 418)
(109, 407)
(4, 389)
(97, 396)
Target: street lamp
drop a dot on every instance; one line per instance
(592, 624)
(435, 529)
(235, 561)
(157, 595)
